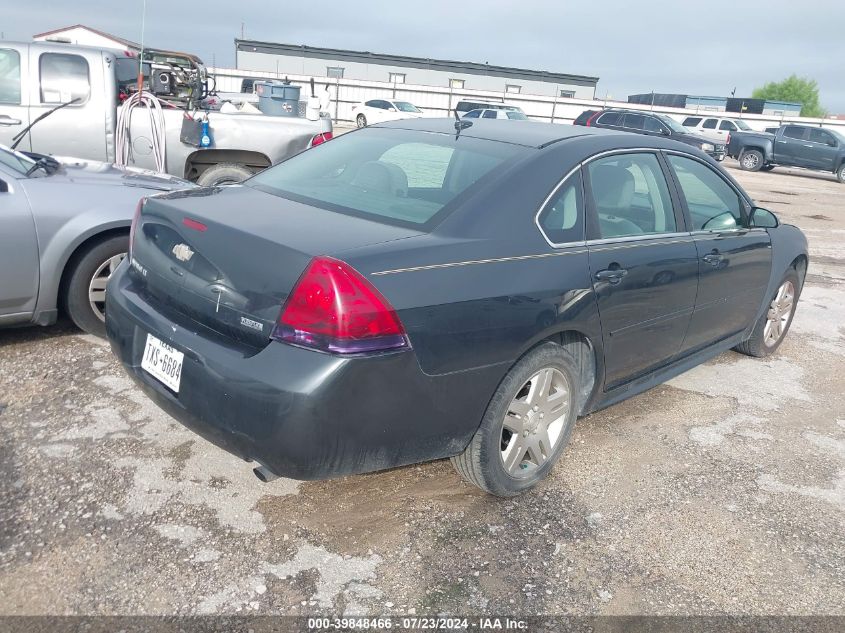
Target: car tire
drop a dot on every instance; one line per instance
(361, 120)
(84, 296)
(840, 173)
(751, 160)
(503, 462)
(761, 343)
(767, 168)
(224, 174)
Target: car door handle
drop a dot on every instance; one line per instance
(612, 275)
(714, 259)
(7, 120)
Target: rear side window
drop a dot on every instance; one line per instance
(610, 118)
(710, 124)
(692, 121)
(63, 78)
(10, 76)
(562, 219)
(793, 131)
(474, 114)
(713, 204)
(634, 121)
(400, 177)
(630, 196)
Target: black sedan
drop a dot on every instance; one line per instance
(427, 289)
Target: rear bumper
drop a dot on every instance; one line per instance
(300, 413)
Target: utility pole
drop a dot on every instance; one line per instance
(242, 29)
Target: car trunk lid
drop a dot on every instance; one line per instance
(227, 258)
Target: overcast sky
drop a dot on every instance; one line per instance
(705, 48)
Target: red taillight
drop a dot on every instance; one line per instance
(593, 116)
(321, 138)
(334, 308)
(728, 140)
(135, 220)
(193, 224)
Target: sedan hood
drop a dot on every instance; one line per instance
(91, 172)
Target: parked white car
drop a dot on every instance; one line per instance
(716, 128)
(378, 110)
(514, 115)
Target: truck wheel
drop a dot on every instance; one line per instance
(751, 160)
(85, 295)
(224, 174)
(840, 173)
(361, 121)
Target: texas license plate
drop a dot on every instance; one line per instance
(163, 362)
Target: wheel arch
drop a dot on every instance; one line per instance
(77, 253)
(199, 161)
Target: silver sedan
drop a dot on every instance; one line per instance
(64, 227)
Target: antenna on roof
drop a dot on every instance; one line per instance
(460, 124)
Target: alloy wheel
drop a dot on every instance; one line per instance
(749, 161)
(534, 423)
(97, 286)
(779, 312)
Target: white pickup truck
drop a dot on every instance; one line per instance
(37, 77)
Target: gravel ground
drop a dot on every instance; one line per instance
(722, 491)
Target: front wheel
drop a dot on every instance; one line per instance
(85, 294)
(771, 329)
(751, 160)
(526, 426)
(361, 120)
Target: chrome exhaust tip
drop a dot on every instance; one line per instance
(263, 473)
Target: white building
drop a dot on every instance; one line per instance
(283, 59)
(86, 36)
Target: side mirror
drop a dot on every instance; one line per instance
(832, 143)
(763, 218)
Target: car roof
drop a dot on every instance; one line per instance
(516, 132)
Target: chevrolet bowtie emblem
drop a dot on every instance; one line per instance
(183, 252)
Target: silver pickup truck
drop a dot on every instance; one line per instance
(39, 76)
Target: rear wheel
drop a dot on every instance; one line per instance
(526, 426)
(85, 296)
(361, 120)
(751, 160)
(224, 174)
(772, 327)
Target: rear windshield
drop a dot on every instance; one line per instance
(404, 177)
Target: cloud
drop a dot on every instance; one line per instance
(704, 49)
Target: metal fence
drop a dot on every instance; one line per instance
(437, 101)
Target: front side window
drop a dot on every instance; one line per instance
(404, 106)
(10, 76)
(630, 196)
(64, 78)
(820, 136)
(710, 124)
(562, 219)
(653, 125)
(727, 125)
(400, 177)
(713, 204)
